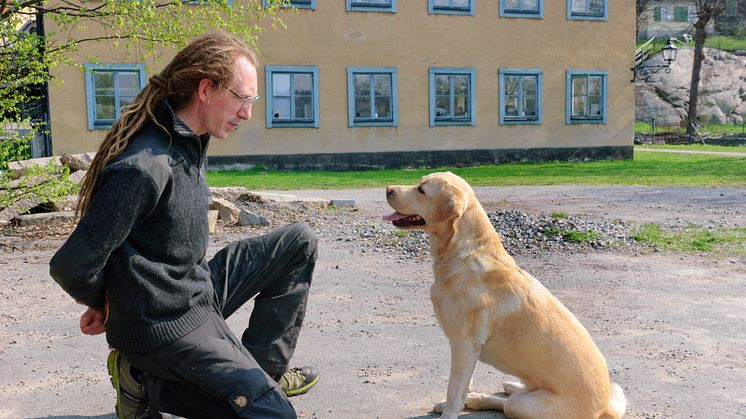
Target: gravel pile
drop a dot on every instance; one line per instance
(521, 232)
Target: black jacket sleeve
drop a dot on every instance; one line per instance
(125, 196)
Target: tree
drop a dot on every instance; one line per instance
(641, 8)
(143, 27)
(706, 11)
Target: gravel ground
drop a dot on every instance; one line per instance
(670, 325)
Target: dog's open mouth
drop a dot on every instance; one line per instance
(403, 220)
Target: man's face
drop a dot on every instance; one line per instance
(226, 110)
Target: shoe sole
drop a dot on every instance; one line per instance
(304, 389)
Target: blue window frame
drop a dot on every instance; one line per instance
(298, 4)
(372, 96)
(453, 96)
(371, 6)
(520, 96)
(588, 9)
(587, 97)
(108, 88)
(292, 96)
(451, 7)
(522, 8)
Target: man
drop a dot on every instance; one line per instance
(137, 256)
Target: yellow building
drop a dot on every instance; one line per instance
(395, 83)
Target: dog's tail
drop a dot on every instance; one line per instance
(617, 403)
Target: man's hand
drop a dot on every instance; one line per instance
(92, 322)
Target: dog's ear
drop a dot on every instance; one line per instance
(452, 206)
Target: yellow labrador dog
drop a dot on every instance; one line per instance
(493, 311)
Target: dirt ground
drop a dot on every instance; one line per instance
(671, 325)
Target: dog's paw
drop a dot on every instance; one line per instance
(438, 408)
(513, 387)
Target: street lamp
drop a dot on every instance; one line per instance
(669, 56)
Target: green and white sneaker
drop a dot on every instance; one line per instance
(130, 393)
(297, 381)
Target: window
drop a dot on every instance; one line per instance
(292, 96)
(371, 5)
(453, 7)
(522, 8)
(588, 9)
(586, 97)
(452, 96)
(299, 4)
(520, 96)
(372, 96)
(731, 8)
(108, 88)
(663, 14)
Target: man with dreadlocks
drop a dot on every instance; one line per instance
(137, 256)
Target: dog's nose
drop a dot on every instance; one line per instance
(389, 190)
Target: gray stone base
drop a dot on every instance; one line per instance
(416, 159)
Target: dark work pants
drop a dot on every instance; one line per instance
(209, 373)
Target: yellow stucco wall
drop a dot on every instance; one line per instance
(413, 41)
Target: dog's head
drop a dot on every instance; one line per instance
(431, 205)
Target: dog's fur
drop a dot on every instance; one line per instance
(491, 310)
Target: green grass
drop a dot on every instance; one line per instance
(571, 235)
(724, 129)
(694, 239)
(559, 214)
(695, 147)
(722, 42)
(647, 168)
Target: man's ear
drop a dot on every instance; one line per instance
(205, 89)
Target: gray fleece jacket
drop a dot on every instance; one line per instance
(143, 240)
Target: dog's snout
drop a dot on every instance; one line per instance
(389, 190)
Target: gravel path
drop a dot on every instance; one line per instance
(670, 325)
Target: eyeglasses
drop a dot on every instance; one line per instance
(247, 101)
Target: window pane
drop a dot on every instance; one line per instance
(578, 106)
(461, 106)
(377, 3)
(442, 85)
(441, 3)
(462, 4)
(578, 85)
(578, 6)
(281, 108)
(280, 84)
(362, 107)
(511, 106)
(103, 83)
(529, 106)
(531, 5)
(303, 108)
(596, 7)
(594, 85)
(442, 106)
(382, 84)
(105, 108)
(303, 84)
(362, 84)
(513, 4)
(511, 85)
(529, 86)
(595, 106)
(383, 107)
(128, 83)
(461, 85)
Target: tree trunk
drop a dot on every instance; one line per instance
(700, 35)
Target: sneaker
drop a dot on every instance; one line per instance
(298, 380)
(130, 393)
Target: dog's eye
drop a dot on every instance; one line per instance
(420, 190)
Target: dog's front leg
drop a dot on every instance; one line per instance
(464, 356)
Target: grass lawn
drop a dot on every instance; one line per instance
(720, 129)
(694, 147)
(647, 168)
(725, 43)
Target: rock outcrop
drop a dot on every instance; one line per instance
(722, 89)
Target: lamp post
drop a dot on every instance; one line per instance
(669, 55)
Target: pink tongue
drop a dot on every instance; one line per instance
(395, 216)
